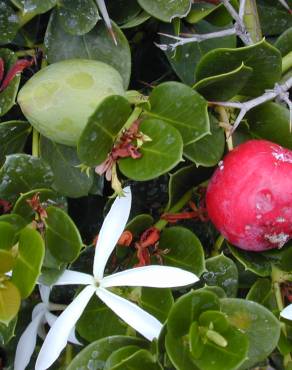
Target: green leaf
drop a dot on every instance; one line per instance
(21, 173)
(7, 260)
(123, 11)
(139, 19)
(68, 178)
(96, 44)
(77, 16)
(263, 58)
(222, 272)
(224, 86)
(31, 252)
(7, 332)
(158, 156)
(260, 325)
(98, 352)
(274, 18)
(166, 10)
(208, 151)
(13, 135)
(8, 23)
(183, 248)
(9, 301)
(284, 42)
(157, 302)
(15, 220)
(185, 58)
(270, 121)
(139, 224)
(62, 236)
(252, 261)
(7, 233)
(34, 7)
(100, 133)
(98, 321)
(131, 357)
(47, 197)
(182, 107)
(262, 292)
(281, 257)
(7, 96)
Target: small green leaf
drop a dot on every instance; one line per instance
(157, 302)
(262, 292)
(284, 42)
(13, 135)
(15, 220)
(100, 133)
(260, 325)
(8, 23)
(62, 236)
(31, 252)
(68, 178)
(7, 332)
(159, 155)
(77, 16)
(222, 272)
(9, 301)
(139, 224)
(182, 107)
(97, 353)
(123, 11)
(21, 173)
(166, 10)
(182, 249)
(139, 19)
(7, 233)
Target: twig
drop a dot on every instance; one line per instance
(280, 91)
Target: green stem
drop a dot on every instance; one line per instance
(177, 207)
(225, 121)
(133, 117)
(252, 21)
(35, 143)
(217, 246)
(287, 62)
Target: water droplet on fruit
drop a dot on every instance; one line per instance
(221, 165)
(280, 219)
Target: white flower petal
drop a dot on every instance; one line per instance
(140, 320)
(50, 318)
(26, 344)
(111, 230)
(287, 312)
(74, 277)
(45, 293)
(150, 276)
(58, 335)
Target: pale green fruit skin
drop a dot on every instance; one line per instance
(59, 99)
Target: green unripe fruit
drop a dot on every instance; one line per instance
(59, 99)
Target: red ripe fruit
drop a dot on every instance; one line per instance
(249, 197)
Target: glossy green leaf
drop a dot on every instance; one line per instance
(96, 44)
(260, 325)
(7, 233)
(78, 16)
(224, 86)
(252, 261)
(262, 292)
(158, 156)
(34, 7)
(9, 301)
(27, 268)
(7, 332)
(186, 57)
(8, 22)
(218, 291)
(21, 173)
(131, 357)
(182, 107)
(263, 58)
(284, 42)
(14, 220)
(157, 302)
(222, 272)
(62, 236)
(200, 11)
(166, 10)
(270, 121)
(123, 11)
(100, 133)
(98, 352)
(7, 260)
(98, 321)
(47, 197)
(7, 96)
(274, 17)
(184, 249)
(139, 224)
(207, 151)
(68, 178)
(13, 135)
(139, 19)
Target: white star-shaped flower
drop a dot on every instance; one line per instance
(41, 315)
(147, 276)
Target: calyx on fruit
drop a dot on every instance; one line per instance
(249, 197)
(59, 99)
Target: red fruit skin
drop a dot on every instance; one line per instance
(249, 197)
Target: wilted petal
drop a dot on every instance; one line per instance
(45, 293)
(74, 277)
(110, 232)
(140, 320)
(287, 312)
(26, 344)
(151, 276)
(50, 318)
(58, 335)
